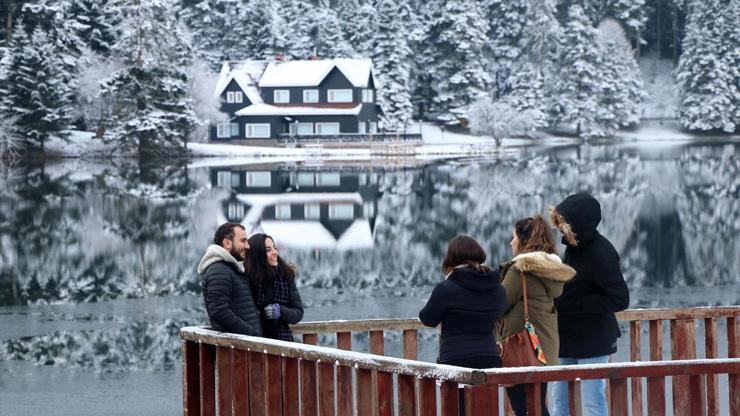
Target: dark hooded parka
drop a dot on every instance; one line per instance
(467, 304)
(545, 275)
(586, 321)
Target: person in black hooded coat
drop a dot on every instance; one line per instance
(587, 326)
(467, 304)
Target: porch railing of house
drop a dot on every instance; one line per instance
(227, 374)
(350, 138)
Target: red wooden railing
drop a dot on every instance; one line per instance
(228, 374)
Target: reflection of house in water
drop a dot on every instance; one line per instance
(303, 209)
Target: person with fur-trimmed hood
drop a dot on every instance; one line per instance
(586, 322)
(536, 260)
(226, 291)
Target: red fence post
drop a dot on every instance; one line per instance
(710, 351)
(257, 401)
(428, 397)
(308, 387)
(240, 382)
(207, 380)
(366, 403)
(377, 343)
(656, 385)
(290, 385)
(618, 405)
(190, 379)
(344, 377)
(574, 397)
(635, 355)
(683, 347)
(410, 344)
(534, 403)
(311, 339)
(733, 351)
(224, 388)
(385, 393)
(406, 395)
(476, 401)
(273, 385)
(326, 387)
(449, 398)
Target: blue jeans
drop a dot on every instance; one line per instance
(593, 392)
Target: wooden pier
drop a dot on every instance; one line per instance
(228, 374)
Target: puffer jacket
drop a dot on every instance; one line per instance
(586, 321)
(227, 294)
(545, 275)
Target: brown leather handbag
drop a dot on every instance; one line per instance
(522, 349)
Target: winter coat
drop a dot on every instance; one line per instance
(545, 275)
(285, 293)
(467, 304)
(586, 321)
(227, 294)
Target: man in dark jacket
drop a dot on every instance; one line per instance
(226, 291)
(587, 326)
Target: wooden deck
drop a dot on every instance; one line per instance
(227, 374)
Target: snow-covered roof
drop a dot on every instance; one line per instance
(311, 73)
(313, 234)
(273, 110)
(246, 73)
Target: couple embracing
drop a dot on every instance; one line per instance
(569, 303)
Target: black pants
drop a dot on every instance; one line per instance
(518, 398)
(477, 361)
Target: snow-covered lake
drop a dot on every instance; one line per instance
(97, 259)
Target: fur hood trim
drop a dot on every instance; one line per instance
(215, 253)
(544, 265)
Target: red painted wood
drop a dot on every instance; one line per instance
(475, 401)
(697, 387)
(428, 397)
(619, 406)
(710, 351)
(410, 344)
(377, 343)
(344, 341)
(656, 340)
(273, 385)
(309, 405)
(366, 403)
(344, 390)
(733, 351)
(493, 399)
(290, 385)
(207, 380)
(574, 397)
(223, 388)
(406, 395)
(534, 403)
(656, 385)
(385, 393)
(311, 339)
(683, 346)
(240, 382)
(257, 389)
(635, 355)
(190, 379)
(449, 398)
(326, 389)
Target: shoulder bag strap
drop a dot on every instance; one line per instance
(524, 296)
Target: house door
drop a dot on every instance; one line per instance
(361, 127)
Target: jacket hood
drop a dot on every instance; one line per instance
(545, 266)
(582, 212)
(215, 253)
(474, 280)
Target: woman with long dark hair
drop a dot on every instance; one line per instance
(467, 303)
(273, 287)
(535, 260)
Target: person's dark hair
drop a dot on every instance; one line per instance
(534, 235)
(226, 231)
(256, 265)
(464, 250)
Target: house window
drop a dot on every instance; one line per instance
(223, 130)
(327, 128)
(368, 208)
(235, 211)
(367, 96)
(305, 179)
(304, 129)
(327, 179)
(234, 129)
(310, 96)
(312, 211)
(282, 212)
(281, 96)
(361, 127)
(261, 131)
(238, 97)
(223, 179)
(235, 179)
(259, 179)
(230, 97)
(341, 211)
(373, 127)
(339, 96)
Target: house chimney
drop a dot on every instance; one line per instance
(314, 56)
(279, 57)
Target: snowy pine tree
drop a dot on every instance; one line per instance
(360, 26)
(704, 74)
(327, 36)
(299, 24)
(94, 24)
(731, 51)
(506, 21)
(261, 34)
(152, 111)
(391, 54)
(459, 76)
(206, 20)
(34, 90)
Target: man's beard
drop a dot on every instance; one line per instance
(237, 254)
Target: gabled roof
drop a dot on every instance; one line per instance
(246, 73)
(312, 73)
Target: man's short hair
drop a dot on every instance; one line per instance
(226, 230)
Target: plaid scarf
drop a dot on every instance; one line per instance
(277, 291)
